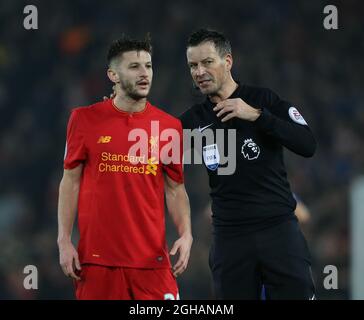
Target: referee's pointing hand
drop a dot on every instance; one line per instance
(236, 108)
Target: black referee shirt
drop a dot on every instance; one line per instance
(257, 194)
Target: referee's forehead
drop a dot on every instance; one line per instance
(202, 51)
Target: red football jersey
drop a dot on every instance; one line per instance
(121, 200)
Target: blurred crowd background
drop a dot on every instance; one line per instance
(277, 44)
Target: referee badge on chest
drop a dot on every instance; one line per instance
(250, 149)
(211, 156)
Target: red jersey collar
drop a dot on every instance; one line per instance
(134, 114)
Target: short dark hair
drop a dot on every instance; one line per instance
(125, 44)
(222, 44)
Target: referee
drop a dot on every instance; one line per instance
(257, 240)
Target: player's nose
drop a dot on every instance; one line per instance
(143, 72)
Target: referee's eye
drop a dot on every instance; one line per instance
(193, 66)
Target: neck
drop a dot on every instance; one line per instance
(226, 90)
(128, 104)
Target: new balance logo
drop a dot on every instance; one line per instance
(104, 139)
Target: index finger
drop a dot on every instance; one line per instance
(219, 106)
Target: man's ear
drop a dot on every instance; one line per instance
(228, 61)
(113, 76)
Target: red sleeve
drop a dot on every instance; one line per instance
(75, 152)
(173, 166)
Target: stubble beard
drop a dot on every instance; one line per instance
(213, 90)
(131, 91)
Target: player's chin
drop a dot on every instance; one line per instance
(142, 93)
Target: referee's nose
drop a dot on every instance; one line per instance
(200, 70)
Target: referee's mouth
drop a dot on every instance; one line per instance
(204, 83)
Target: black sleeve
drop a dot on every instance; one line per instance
(282, 120)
